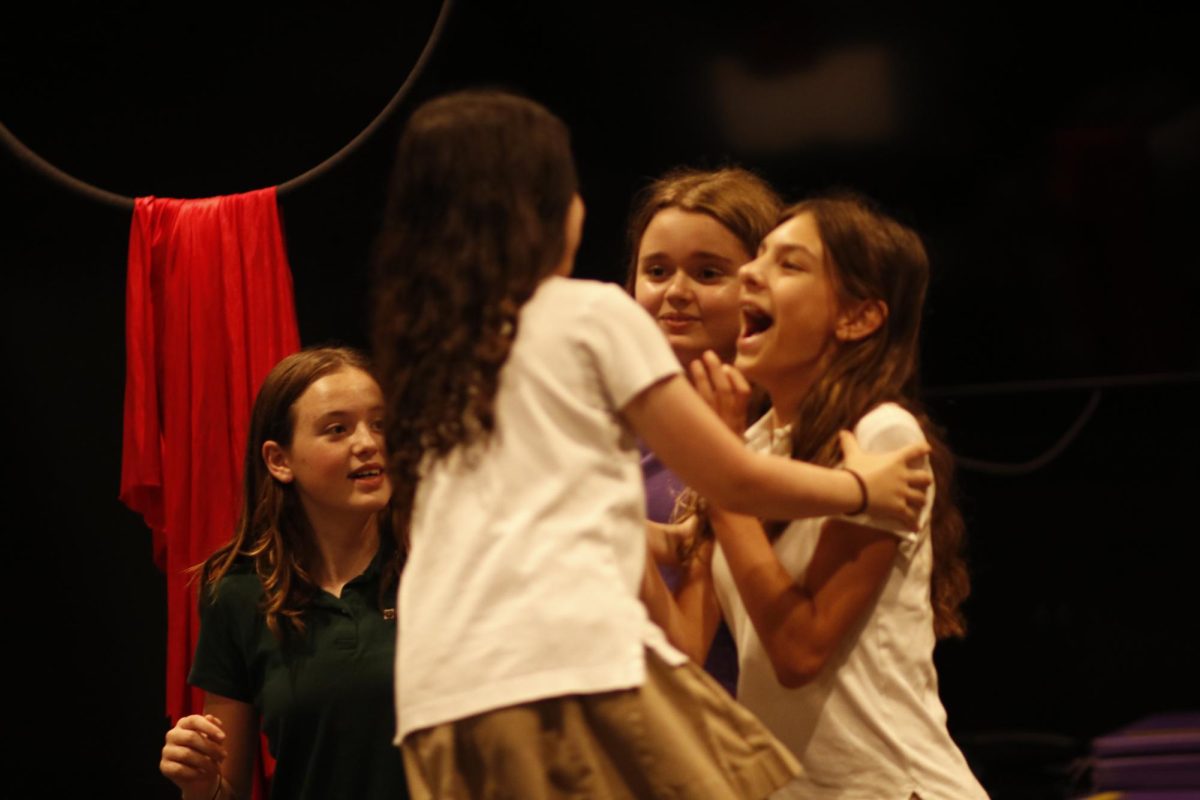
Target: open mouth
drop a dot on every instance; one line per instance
(755, 321)
(366, 473)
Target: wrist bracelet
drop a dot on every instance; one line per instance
(862, 487)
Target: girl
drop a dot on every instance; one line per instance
(297, 632)
(689, 232)
(526, 666)
(836, 618)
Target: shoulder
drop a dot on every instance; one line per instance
(598, 298)
(888, 426)
(237, 590)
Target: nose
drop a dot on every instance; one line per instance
(366, 440)
(679, 288)
(750, 274)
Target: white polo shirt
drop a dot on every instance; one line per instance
(527, 553)
(870, 726)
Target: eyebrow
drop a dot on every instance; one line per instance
(697, 254)
(786, 248)
(343, 412)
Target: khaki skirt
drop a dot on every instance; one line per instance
(680, 735)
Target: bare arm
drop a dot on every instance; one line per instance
(694, 443)
(802, 623)
(218, 745)
(690, 617)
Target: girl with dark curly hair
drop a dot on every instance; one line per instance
(526, 664)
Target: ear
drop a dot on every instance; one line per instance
(861, 320)
(276, 460)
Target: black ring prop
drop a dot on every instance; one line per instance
(38, 164)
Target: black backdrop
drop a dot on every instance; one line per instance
(1052, 161)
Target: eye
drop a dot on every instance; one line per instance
(335, 429)
(711, 274)
(377, 425)
(655, 272)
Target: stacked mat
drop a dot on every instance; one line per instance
(1155, 758)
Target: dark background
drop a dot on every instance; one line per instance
(1050, 157)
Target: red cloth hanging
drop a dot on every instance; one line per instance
(209, 310)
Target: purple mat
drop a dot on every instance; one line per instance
(1159, 752)
(1158, 734)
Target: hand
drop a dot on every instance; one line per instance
(667, 540)
(192, 755)
(896, 484)
(724, 388)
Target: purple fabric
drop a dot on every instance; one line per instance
(663, 487)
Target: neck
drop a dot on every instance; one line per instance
(686, 356)
(344, 547)
(786, 397)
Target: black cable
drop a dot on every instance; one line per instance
(1095, 385)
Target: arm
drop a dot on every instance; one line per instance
(693, 442)
(220, 745)
(689, 618)
(802, 623)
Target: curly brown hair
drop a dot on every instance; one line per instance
(476, 219)
(273, 533)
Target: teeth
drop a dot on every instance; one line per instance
(366, 473)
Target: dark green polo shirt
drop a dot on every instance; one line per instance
(325, 698)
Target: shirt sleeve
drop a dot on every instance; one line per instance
(630, 352)
(883, 429)
(221, 662)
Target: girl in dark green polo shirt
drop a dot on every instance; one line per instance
(297, 630)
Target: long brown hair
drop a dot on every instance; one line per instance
(871, 256)
(477, 216)
(273, 531)
(742, 202)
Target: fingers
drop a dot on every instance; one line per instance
(716, 373)
(740, 384)
(702, 383)
(196, 743)
(915, 454)
(730, 391)
(849, 444)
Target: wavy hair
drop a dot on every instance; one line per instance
(742, 202)
(871, 256)
(273, 532)
(476, 219)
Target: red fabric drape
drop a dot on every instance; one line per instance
(209, 310)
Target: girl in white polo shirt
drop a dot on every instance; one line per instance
(835, 618)
(526, 664)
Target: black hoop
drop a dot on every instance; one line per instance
(38, 164)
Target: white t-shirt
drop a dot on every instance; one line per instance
(527, 552)
(870, 726)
